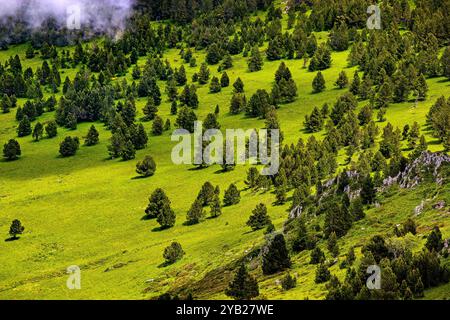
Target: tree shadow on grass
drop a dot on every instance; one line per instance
(164, 264)
(12, 239)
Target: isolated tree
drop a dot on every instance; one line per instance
(275, 256)
(195, 213)
(259, 218)
(16, 228)
(232, 195)
(69, 146)
(180, 76)
(214, 86)
(156, 202)
(206, 194)
(146, 167)
(24, 128)
(288, 282)
(224, 80)
(255, 62)
(318, 83)
(243, 286)
(157, 126)
(203, 74)
(173, 253)
(166, 217)
(92, 137)
(342, 80)
(51, 129)
(11, 150)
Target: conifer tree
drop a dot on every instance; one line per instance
(332, 245)
(195, 213)
(318, 83)
(255, 62)
(166, 217)
(232, 195)
(24, 128)
(243, 286)
(146, 167)
(342, 80)
(157, 126)
(92, 137)
(322, 274)
(156, 202)
(11, 150)
(259, 218)
(224, 80)
(214, 86)
(275, 256)
(173, 253)
(16, 228)
(216, 209)
(238, 86)
(317, 256)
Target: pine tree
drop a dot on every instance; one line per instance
(213, 55)
(38, 131)
(211, 122)
(445, 62)
(203, 75)
(156, 202)
(243, 286)
(146, 167)
(173, 108)
(214, 86)
(150, 110)
(317, 256)
(180, 76)
(434, 240)
(16, 228)
(238, 86)
(92, 137)
(224, 80)
(69, 146)
(332, 245)
(128, 151)
(255, 61)
(421, 88)
(368, 193)
(275, 256)
(252, 177)
(342, 80)
(259, 218)
(238, 103)
(11, 150)
(186, 118)
(232, 195)
(173, 253)
(195, 213)
(318, 83)
(216, 209)
(322, 274)
(157, 126)
(288, 282)
(166, 217)
(356, 83)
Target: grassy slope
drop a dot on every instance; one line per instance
(87, 210)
